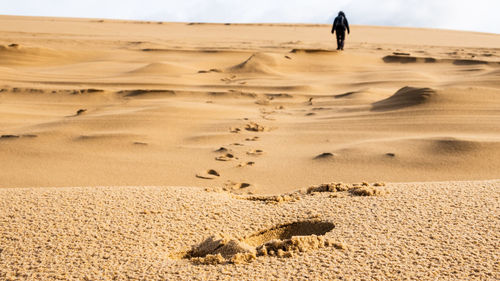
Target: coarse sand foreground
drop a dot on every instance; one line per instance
(418, 231)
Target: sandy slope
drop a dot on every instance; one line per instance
(158, 99)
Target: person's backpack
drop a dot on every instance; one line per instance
(340, 22)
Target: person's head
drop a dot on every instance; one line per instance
(341, 14)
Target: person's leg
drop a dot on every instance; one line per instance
(342, 40)
(339, 40)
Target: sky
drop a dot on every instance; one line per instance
(475, 15)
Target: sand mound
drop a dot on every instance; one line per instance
(362, 189)
(10, 48)
(405, 97)
(367, 191)
(80, 111)
(258, 63)
(364, 96)
(325, 155)
(160, 68)
(15, 54)
(281, 241)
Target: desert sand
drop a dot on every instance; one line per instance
(164, 151)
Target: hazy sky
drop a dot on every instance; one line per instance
(477, 15)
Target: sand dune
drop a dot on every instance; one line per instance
(405, 97)
(159, 68)
(252, 114)
(258, 63)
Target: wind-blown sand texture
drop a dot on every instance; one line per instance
(243, 111)
(445, 231)
(112, 103)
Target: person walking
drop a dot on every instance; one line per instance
(340, 24)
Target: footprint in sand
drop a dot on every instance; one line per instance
(250, 163)
(230, 185)
(326, 155)
(262, 102)
(225, 157)
(254, 127)
(283, 241)
(222, 149)
(252, 139)
(228, 80)
(255, 152)
(310, 102)
(211, 70)
(80, 112)
(234, 130)
(208, 175)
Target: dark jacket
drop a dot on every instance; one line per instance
(339, 25)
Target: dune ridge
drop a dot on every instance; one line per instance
(161, 68)
(257, 63)
(405, 97)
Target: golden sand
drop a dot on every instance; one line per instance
(117, 103)
(245, 131)
(421, 231)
